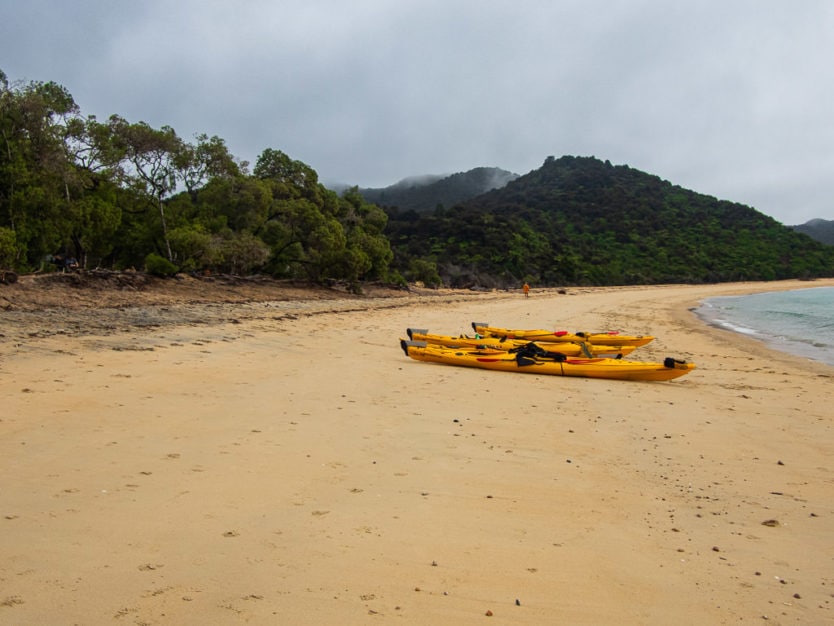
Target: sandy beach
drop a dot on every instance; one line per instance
(283, 462)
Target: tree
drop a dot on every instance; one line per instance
(240, 253)
(241, 203)
(193, 247)
(302, 229)
(276, 166)
(35, 172)
(93, 200)
(364, 225)
(8, 248)
(208, 159)
(153, 156)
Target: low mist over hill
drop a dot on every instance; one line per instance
(426, 193)
(820, 230)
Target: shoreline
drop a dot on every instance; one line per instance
(760, 346)
(264, 462)
(814, 351)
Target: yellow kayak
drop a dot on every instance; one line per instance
(568, 348)
(534, 360)
(612, 338)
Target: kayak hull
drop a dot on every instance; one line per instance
(568, 348)
(611, 369)
(560, 336)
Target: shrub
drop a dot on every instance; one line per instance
(159, 266)
(8, 248)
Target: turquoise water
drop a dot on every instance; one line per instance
(801, 321)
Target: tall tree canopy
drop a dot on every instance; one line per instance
(124, 194)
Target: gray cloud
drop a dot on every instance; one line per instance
(731, 99)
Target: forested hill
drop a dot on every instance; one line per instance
(580, 220)
(821, 230)
(425, 194)
(77, 194)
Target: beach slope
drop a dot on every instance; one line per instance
(282, 461)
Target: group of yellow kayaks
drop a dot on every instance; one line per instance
(555, 353)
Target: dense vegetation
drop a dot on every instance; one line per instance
(118, 194)
(579, 220)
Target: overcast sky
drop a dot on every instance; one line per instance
(731, 98)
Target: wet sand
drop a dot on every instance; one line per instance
(285, 462)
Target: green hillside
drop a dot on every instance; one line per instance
(583, 221)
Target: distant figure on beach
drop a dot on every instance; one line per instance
(526, 289)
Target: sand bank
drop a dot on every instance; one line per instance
(293, 466)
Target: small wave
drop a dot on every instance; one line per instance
(736, 328)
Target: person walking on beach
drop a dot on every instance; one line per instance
(526, 289)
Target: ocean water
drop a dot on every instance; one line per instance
(800, 322)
